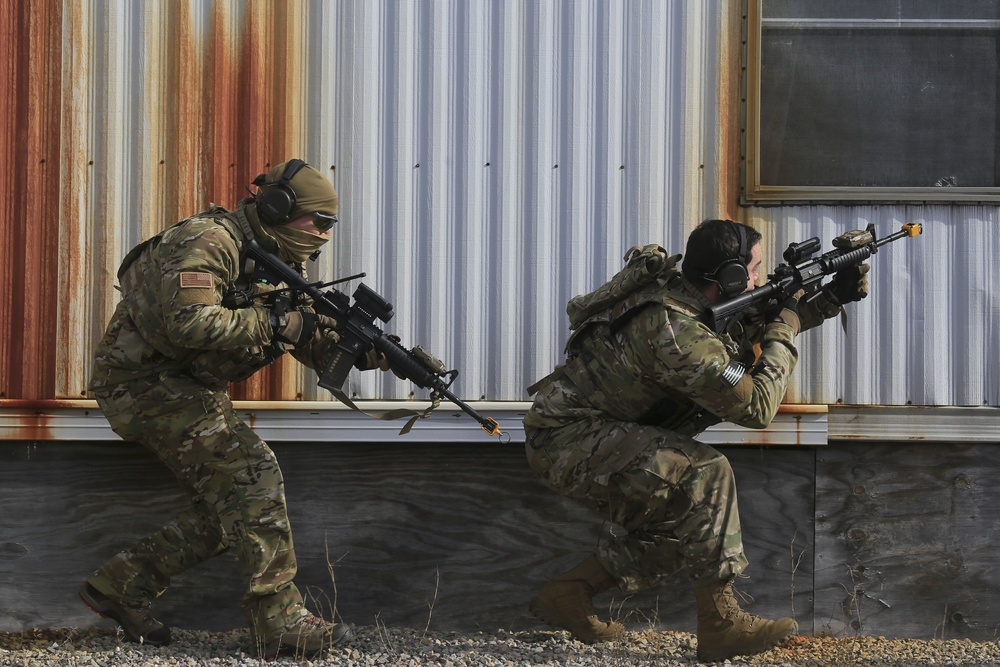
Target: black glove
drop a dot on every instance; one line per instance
(849, 285)
(294, 327)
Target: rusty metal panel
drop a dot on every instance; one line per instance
(29, 215)
(163, 108)
(493, 158)
(465, 139)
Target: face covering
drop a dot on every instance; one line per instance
(295, 245)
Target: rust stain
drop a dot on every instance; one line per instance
(9, 304)
(31, 68)
(222, 104)
(268, 76)
(185, 81)
(730, 109)
(28, 426)
(223, 122)
(76, 272)
(86, 257)
(43, 404)
(32, 419)
(800, 437)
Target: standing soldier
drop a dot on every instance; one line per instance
(614, 426)
(191, 321)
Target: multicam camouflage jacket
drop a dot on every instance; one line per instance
(640, 353)
(177, 311)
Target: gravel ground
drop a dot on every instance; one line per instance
(378, 646)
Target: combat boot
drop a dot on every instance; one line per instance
(135, 618)
(566, 602)
(307, 637)
(725, 630)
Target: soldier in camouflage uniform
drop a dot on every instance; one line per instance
(614, 427)
(189, 324)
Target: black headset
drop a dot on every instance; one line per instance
(732, 274)
(275, 201)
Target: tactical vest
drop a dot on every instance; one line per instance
(650, 279)
(142, 299)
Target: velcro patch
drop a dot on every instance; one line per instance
(196, 279)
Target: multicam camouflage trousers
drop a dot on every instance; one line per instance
(674, 497)
(237, 499)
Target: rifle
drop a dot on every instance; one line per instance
(804, 272)
(359, 334)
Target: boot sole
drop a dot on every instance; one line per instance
(106, 611)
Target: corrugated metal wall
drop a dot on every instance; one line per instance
(494, 157)
(928, 334)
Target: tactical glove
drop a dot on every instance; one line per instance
(323, 348)
(294, 327)
(849, 285)
(375, 359)
(785, 311)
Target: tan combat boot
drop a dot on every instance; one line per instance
(134, 616)
(566, 602)
(725, 630)
(307, 637)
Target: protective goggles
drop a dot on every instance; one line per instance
(324, 222)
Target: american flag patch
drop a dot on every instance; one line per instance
(196, 279)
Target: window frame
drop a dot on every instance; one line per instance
(755, 193)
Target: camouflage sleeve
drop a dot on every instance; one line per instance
(692, 360)
(199, 262)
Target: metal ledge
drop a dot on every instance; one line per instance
(321, 421)
(914, 423)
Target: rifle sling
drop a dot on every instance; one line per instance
(389, 415)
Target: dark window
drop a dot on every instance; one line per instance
(867, 100)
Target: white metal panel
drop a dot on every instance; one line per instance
(496, 158)
(928, 334)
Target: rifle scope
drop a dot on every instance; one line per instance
(796, 252)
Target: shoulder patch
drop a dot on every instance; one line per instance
(196, 279)
(733, 373)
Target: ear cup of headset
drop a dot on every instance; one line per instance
(276, 201)
(733, 278)
(732, 275)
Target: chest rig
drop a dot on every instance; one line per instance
(249, 290)
(212, 366)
